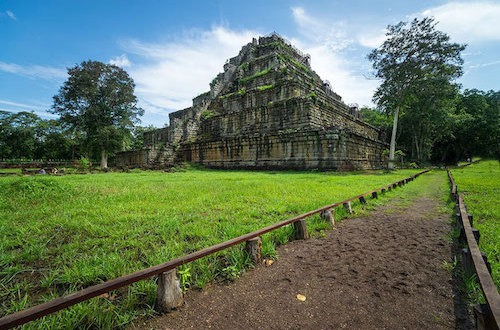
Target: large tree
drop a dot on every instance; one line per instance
(412, 56)
(98, 102)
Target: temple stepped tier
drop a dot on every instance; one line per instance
(268, 110)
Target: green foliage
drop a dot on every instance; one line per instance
(206, 114)
(244, 66)
(25, 135)
(84, 164)
(135, 140)
(265, 87)
(288, 59)
(98, 101)
(475, 128)
(479, 183)
(184, 274)
(255, 75)
(312, 96)
(377, 118)
(241, 91)
(72, 231)
(417, 65)
(225, 96)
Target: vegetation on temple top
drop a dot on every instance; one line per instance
(265, 87)
(255, 75)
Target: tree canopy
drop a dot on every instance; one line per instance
(417, 65)
(98, 103)
(25, 135)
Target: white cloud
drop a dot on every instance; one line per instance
(121, 61)
(482, 65)
(465, 22)
(470, 22)
(17, 104)
(352, 86)
(175, 72)
(38, 108)
(372, 39)
(34, 71)
(333, 35)
(11, 15)
(326, 42)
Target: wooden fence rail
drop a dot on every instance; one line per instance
(474, 262)
(57, 304)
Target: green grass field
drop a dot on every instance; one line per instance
(480, 185)
(61, 234)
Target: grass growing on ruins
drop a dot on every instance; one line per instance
(61, 234)
(480, 185)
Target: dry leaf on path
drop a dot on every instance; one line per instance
(301, 297)
(268, 262)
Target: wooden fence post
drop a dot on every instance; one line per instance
(253, 248)
(329, 217)
(169, 293)
(486, 262)
(374, 194)
(484, 317)
(348, 207)
(300, 229)
(467, 264)
(362, 200)
(477, 234)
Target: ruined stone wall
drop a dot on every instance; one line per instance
(288, 115)
(161, 157)
(268, 109)
(184, 124)
(151, 157)
(326, 115)
(134, 158)
(320, 149)
(158, 136)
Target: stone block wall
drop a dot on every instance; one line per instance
(134, 158)
(156, 137)
(317, 149)
(268, 109)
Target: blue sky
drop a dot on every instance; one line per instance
(173, 49)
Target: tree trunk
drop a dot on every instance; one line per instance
(417, 148)
(392, 147)
(104, 159)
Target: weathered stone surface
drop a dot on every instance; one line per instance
(268, 109)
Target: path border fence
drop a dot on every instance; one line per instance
(166, 271)
(487, 315)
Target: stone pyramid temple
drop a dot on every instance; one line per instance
(267, 110)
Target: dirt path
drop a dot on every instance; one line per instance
(382, 271)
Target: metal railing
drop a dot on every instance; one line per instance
(57, 304)
(474, 261)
